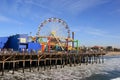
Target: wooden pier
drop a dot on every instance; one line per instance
(15, 60)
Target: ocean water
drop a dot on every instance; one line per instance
(109, 70)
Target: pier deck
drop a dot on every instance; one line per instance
(14, 60)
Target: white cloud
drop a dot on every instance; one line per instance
(3, 19)
(61, 6)
(96, 32)
(103, 33)
(40, 4)
(24, 8)
(9, 20)
(77, 6)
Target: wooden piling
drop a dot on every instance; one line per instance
(70, 62)
(99, 59)
(23, 61)
(86, 59)
(47, 59)
(23, 65)
(96, 58)
(74, 60)
(8, 66)
(64, 60)
(79, 59)
(50, 61)
(44, 64)
(102, 59)
(38, 64)
(67, 59)
(56, 63)
(3, 65)
(30, 62)
(13, 64)
(61, 61)
(92, 59)
(13, 67)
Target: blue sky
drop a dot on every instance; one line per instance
(95, 22)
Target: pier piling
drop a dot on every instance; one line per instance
(24, 60)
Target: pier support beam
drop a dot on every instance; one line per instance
(56, 63)
(74, 60)
(3, 65)
(23, 66)
(44, 64)
(70, 62)
(67, 60)
(8, 66)
(30, 65)
(23, 60)
(38, 64)
(61, 62)
(102, 59)
(47, 60)
(86, 61)
(99, 59)
(79, 59)
(13, 67)
(92, 59)
(50, 63)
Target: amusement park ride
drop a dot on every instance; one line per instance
(54, 35)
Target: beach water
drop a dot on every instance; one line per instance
(109, 70)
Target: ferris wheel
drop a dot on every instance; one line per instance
(55, 26)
